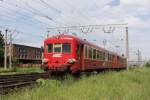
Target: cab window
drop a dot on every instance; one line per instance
(57, 47)
(66, 48)
(49, 48)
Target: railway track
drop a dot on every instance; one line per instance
(10, 82)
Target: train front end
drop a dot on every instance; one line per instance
(59, 53)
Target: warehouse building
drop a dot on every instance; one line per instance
(26, 55)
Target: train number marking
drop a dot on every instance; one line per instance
(57, 55)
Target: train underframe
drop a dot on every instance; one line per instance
(62, 69)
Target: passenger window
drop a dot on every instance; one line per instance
(94, 53)
(66, 48)
(57, 47)
(98, 55)
(86, 52)
(49, 48)
(90, 53)
(109, 57)
(106, 56)
(78, 50)
(103, 56)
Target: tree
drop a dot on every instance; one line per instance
(147, 64)
(1, 46)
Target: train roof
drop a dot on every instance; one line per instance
(84, 41)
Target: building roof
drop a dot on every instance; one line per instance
(25, 45)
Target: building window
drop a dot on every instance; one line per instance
(20, 56)
(25, 56)
(22, 50)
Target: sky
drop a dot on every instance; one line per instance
(28, 21)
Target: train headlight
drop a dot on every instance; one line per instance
(45, 60)
(71, 61)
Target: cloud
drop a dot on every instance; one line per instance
(135, 3)
(40, 14)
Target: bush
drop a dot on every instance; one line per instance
(147, 64)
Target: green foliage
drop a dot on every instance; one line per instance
(41, 82)
(28, 70)
(125, 85)
(18, 70)
(15, 62)
(147, 64)
(2, 71)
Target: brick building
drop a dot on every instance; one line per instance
(26, 54)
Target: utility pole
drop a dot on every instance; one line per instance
(48, 34)
(10, 52)
(139, 57)
(5, 53)
(127, 48)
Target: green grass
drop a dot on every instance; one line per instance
(126, 85)
(2, 70)
(19, 70)
(28, 70)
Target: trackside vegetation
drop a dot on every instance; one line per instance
(18, 70)
(125, 85)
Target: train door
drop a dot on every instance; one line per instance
(80, 54)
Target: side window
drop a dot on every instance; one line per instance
(49, 48)
(109, 59)
(106, 56)
(90, 53)
(94, 53)
(86, 52)
(98, 55)
(103, 56)
(78, 49)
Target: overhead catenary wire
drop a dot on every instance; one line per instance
(29, 11)
(50, 6)
(24, 17)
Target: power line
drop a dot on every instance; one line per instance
(41, 14)
(23, 17)
(28, 12)
(49, 6)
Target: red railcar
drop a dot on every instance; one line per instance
(70, 53)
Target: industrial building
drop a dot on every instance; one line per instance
(25, 55)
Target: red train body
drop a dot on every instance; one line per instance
(69, 53)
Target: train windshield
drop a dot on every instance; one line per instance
(66, 48)
(49, 48)
(59, 48)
